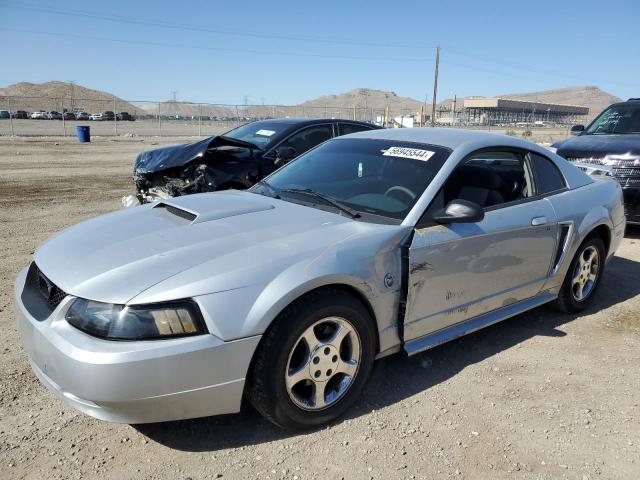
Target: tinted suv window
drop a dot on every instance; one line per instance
(548, 176)
(622, 118)
(347, 128)
(308, 138)
(489, 179)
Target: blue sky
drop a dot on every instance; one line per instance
(290, 51)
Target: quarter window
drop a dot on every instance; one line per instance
(347, 128)
(548, 176)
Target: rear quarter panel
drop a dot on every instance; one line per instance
(586, 208)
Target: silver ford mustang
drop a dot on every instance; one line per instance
(370, 244)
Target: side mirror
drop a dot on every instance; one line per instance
(577, 129)
(284, 154)
(459, 211)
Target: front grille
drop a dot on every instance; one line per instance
(50, 292)
(626, 172)
(592, 161)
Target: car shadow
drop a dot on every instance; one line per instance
(632, 231)
(398, 377)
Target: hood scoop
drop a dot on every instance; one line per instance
(206, 207)
(165, 209)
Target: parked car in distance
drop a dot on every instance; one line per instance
(82, 116)
(39, 115)
(69, 116)
(124, 117)
(5, 114)
(236, 159)
(284, 295)
(53, 115)
(611, 141)
(20, 114)
(108, 115)
(95, 116)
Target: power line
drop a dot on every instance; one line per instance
(518, 66)
(202, 28)
(219, 49)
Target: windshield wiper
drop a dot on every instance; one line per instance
(272, 191)
(326, 198)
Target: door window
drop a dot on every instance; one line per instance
(308, 138)
(489, 179)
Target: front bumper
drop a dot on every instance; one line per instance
(632, 204)
(133, 382)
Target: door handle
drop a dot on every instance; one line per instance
(538, 221)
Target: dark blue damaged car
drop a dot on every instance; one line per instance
(235, 160)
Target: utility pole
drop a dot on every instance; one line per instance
(71, 94)
(453, 111)
(435, 89)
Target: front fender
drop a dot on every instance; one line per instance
(250, 310)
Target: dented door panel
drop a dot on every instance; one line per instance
(459, 271)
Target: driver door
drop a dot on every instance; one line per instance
(458, 271)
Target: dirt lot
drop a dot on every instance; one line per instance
(541, 396)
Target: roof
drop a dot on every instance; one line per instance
(298, 120)
(446, 137)
(508, 103)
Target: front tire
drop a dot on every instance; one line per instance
(583, 277)
(313, 360)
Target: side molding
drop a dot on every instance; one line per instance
(471, 325)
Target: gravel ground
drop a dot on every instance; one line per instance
(541, 396)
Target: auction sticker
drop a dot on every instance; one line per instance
(404, 152)
(265, 133)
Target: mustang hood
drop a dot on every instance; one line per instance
(229, 238)
(587, 146)
(179, 155)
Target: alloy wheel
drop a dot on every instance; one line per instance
(585, 273)
(323, 364)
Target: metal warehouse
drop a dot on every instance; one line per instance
(492, 111)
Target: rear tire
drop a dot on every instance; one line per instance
(583, 277)
(313, 360)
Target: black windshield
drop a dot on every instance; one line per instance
(260, 134)
(615, 120)
(378, 177)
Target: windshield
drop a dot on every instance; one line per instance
(377, 177)
(615, 120)
(261, 134)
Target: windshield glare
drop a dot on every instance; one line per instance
(379, 177)
(258, 133)
(615, 120)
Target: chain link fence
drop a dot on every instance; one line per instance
(44, 116)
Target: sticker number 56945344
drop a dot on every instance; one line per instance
(404, 152)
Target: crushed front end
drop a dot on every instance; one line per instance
(216, 163)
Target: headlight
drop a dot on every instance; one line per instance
(141, 322)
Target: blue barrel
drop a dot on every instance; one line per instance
(83, 133)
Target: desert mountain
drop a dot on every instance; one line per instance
(366, 98)
(58, 95)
